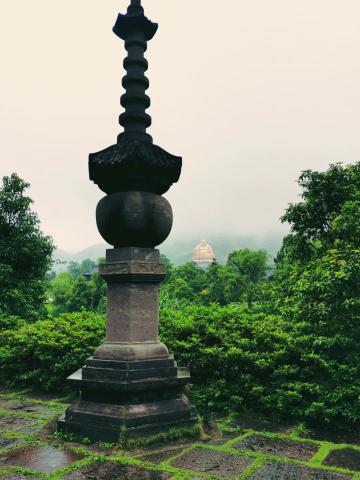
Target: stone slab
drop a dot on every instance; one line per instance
(9, 442)
(287, 471)
(278, 447)
(348, 458)
(107, 434)
(42, 459)
(15, 423)
(18, 476)
(27, 407)
(77, 380)
(131, 365)
(114, 470)
(227, 436)
(259, 424)
(161, 456)
(212, 462)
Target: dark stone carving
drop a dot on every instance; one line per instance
(127, 398)
(131, 386)
(134, 219)
(134, 165)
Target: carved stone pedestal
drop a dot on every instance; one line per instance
(131, 386)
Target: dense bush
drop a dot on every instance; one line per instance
(243, 360)
(42, 354)
(25, 253)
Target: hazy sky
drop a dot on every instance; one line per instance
(249, 92)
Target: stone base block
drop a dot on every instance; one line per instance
(120, 399)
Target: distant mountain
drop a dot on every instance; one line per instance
(180, 251)
(62, 258)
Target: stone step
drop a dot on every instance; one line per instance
(97, 419)
(137, 374)
(131, 365)
(129, 415)
(109, 434)
(122, 386)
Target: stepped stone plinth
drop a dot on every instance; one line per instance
(132, 385)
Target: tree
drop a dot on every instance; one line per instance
(248, 270)
(186, 283)
(25, 253)
(76, 268)
(218, 277)
(60, 292)
(317, 292)
(82, 295)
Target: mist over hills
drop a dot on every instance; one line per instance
(180, 250)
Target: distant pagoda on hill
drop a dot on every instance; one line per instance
(203, 255)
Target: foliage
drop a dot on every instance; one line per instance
(245, 360)
(285, 345)
(248, 270)
(241, 279)
(299, 354)
(72, 294)
(25, 253)
(60, 292)
(86, 266)
(317, 292)
(42, 354)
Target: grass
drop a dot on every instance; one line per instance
(122, 452)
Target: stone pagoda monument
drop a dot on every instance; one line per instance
(131, 386)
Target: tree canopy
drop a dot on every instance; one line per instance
(25, 253)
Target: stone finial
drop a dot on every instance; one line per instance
(135, 7)
(135, 163)
(136, 30)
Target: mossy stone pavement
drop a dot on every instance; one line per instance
(30, 450)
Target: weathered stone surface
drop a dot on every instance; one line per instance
(227, 436)
(348, 458)
(131, 351)
(124, 387)
(162, 455)
(42, 459)
(20, 424)
(18, 476)
(9, 442)
(212, 462)
(134, 219)
(278, 447)
(259, 424)
(132, 313)
(114, 470)
(133, 276)
(28, 407)
(113, 168)
(287, 471)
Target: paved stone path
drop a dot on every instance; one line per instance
(30, 450)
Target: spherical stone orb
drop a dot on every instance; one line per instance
(134, 219)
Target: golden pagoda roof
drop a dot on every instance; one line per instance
(203, 252)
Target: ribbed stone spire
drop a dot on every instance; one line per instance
(135, 7)
(134, 163)
(136, 30)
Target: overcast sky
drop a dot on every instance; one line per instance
(249, 92)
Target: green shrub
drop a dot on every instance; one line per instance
(243, 360)
(232, 353)
(41, 355)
